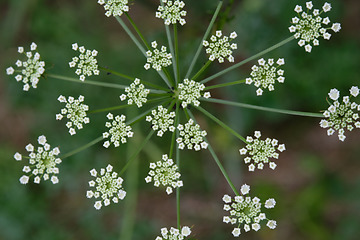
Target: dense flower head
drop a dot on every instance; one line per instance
(260, 151)
(191, 136)
(136, 93)
(30, 70)
(43, 162)
(156, 58)
(190, 92)
(266, 74)
(161, 120)
(171, 12)
(309, 26)
(246, 212)
(165, 173)
(114, 7)
(107, 187)
(118, 130)
(74, 111)
(85, 63)
(220, 47)
(174, 233)
(341, 116)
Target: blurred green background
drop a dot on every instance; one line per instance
(316, 184)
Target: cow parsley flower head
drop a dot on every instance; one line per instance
(260, 151)
(165, 173)
(114, 7)
(30, 70)
(308, 26)
(266, 74)
(220, 47)
(191, 136)
(43, 162)
(74, 111)
(190, 92)
(118, 130)
(107, 187)
(341, 116)
(161, 120)
(171, 12)
(174, 233)
(136, 93)
(246, 212)
(85, 63)
(156, 58)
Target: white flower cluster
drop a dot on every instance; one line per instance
(191, 136)
(309, 27)
(30, 70)
(190, 92)
(42, 162)
(246, 211)
(118, 131)
(265, 75)
(107, 186)
(220, 48)
(260, 151)
(114, 7)
(161, 120)
(157, 58)
(136, 93)
(86, 62)
(165, 173)
(341, 116)
(172, 12)
(174, 233)
(75, 112)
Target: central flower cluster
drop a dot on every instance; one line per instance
(190, 92)
(118, 130)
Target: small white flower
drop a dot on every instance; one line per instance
(118, 131)
(245, 189)
(271, 224)
(220, 47)
(136, 93)
(174, 233)
(354, 91)
(86, 63)
(270, 203)
(114, 7)
(190, 92)
(17, 156)
(334, 94)
(172, 12)
(236, 232)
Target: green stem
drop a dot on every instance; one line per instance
(81, 148)
(206, 65)
(244, 105)
(174, 133)
(177, 72)
(168, 76)
(76, 80)
(224, 84)
(124, 106)
(168, 35)
(116, 73)
(213, 154)
(204, 38)
(178, 164)
(137, 152)
(248, 60)
(226, 127)
(137, 30)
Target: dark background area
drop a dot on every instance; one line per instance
(316, 184)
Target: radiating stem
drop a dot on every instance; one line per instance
(226, 127)
(116, 73)
(81, 148)
(213, 154)
(140, 147)
(168, 76)
(244, 105)
(137, 30)
(178, 164)
(204, 38)
(248, 60)
(206, 65)
(174, 133)
(224, 84)
(176, 43)
(168, 35)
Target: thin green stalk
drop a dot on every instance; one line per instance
(248, 59)
(226, 127)
(141, 146)
(178, 164)
(137, 31)
(224, 84)
(204, 38)
(213, 154)
(174, 133)
(168, 35)
(76, 80)
(131, 35)
(168, 76)
(204, 67)
(124, 106)
(116, 73)
(141, 116)
(244, 105)
(81, 148)
(176, 43)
